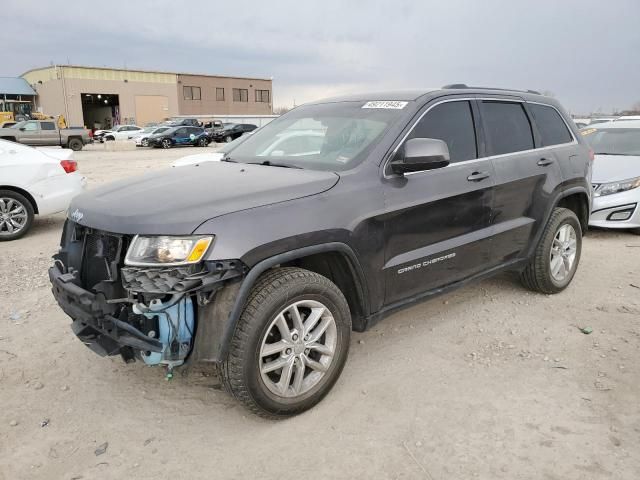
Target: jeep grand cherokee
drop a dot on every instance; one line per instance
(263, 263)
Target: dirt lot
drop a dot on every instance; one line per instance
(490, 382)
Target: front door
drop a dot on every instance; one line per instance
(30, 133)
(437, 222)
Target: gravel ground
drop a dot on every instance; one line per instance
(489, 382)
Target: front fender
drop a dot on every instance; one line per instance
(218, 320)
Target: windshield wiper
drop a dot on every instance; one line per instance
(269, 163)
(228, 159)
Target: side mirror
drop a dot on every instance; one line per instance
(419, 154)
(22, 129)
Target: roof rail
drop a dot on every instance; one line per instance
(455, 86)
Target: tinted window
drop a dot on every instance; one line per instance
(181, 132)
(550, 125)
(451, 122)
(508, 127)
(47, 126)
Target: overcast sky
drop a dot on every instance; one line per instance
(587, 52)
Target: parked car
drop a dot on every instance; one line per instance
(231, 132)
(263, 265)
(34, 182)
(142, 139)
(616, 174)
(46, 133)
(180, 137)
(120, 132)
(627, 118)
(184, 122)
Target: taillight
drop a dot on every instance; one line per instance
(69, 166)
(591, 155)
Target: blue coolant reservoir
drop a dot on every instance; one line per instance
(175, 331)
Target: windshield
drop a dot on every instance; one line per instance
(330, 136)
(614, 141)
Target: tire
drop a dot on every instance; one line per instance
(203, 142)
(145, 142)
(166, 143)
(228, 139)
(75, 144)
(540, 274)
(23, 213)
(109, 138)
(274, 293)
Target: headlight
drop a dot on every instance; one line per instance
(167, 250)
(617, 187)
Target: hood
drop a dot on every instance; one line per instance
(177, 201)
(613, 168)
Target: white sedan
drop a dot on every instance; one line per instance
(121, 132)
(616, 174)
(34, 181)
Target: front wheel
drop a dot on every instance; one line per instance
(166, 143)
(556, 258)
(203, 142)
(228, 138)
(290, 344)
(145, 142)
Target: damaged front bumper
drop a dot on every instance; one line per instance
(161, 315)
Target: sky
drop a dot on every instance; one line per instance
(586, 52)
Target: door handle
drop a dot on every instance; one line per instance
(545, 162)
(477, 176)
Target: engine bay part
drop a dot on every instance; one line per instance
(172, 323)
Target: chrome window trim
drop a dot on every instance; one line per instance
(474, 160)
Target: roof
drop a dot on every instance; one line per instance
(89, 67)
(15, 86)
(455, 89)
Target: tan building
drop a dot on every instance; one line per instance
(102, 97)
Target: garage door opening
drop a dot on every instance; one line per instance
(100, 110)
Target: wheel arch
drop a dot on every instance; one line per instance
(576, 200)
(24, 193)
(336, 259)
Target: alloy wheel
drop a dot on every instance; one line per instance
(13, 216)
(563, 252)
(298, 348)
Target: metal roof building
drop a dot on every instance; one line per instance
(11, 86)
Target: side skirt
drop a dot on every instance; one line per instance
(373, 319)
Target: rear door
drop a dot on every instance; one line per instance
(525, 176)
(48, 133)
(437, 222)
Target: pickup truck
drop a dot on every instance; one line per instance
(45, 132)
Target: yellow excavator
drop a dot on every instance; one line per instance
(9, 116)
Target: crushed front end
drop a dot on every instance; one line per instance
(139, 310)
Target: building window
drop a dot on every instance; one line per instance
(191, 93)
(262, 96)
(240, 95)
(219, 94)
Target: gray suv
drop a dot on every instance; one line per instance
(324, 221)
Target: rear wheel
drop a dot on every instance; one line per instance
(557, 255)
(203, 142)
(290, 344)
(75, 144)
(145, 142)
(166, 143)
(109, 138)
(16, 215)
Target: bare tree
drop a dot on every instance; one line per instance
(281, 110)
